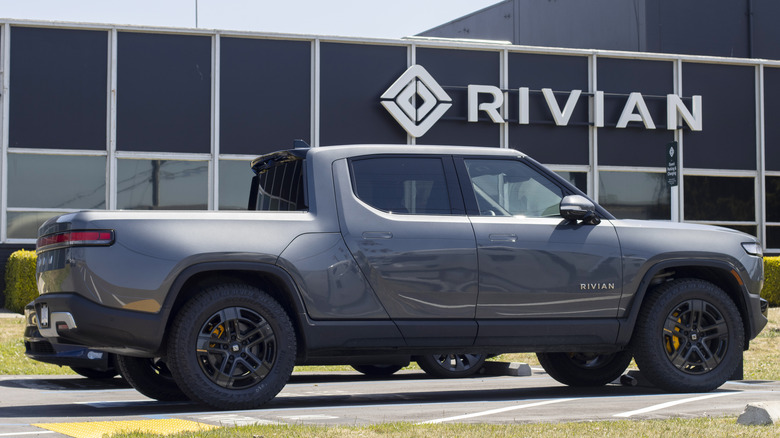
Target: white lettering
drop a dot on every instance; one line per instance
(635, 101)
(561, 117)
(491, 108)
(598, 109)
(524, 112)
(675, 109)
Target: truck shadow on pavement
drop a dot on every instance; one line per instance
(107, 403)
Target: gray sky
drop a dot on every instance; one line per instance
(359, 18)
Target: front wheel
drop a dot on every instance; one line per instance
(232, 346)
(585, 369)
(451, 366)
(689, 336)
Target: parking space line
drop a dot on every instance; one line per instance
(671, 403)
(497, 411)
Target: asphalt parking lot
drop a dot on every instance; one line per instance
(59, 406)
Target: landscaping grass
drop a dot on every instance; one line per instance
(709, 427)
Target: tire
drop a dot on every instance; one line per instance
(150, 377)
(232, 346)
(92, 373)
(585, 369)
(689, 336)
(377, 370)
(451, 366)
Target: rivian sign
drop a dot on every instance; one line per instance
(401, 100)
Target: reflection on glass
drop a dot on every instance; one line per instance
(235, 178)
(773, 237)
(56, 181)
(635, 195)
(578, 179)
(162, 184)
(719, 198)
(773, 199)
(24, 225)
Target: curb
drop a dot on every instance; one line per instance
(516, 369)
(760, 414)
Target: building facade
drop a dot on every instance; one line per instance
(112, 117)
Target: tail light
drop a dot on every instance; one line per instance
(75, 238)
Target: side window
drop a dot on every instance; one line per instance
(512, 188)
(404, 185)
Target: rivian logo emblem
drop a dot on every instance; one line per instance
(416, 101)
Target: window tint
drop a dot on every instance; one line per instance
(70, 181)
(719, 198)
(511, 188)
(635, 195)
(162, 184)
(402, 185)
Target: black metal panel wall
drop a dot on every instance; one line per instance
(772, 115)
(542, 139)
(163, 93)
(352, 77)
(455, 70)
(728, 137)
(59, 94)
(265, 94)
(634, 145)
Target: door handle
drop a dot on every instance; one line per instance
(377, 235)
(503, 237)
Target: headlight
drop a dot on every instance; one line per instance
(753, 248)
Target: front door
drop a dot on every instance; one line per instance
(534, 265)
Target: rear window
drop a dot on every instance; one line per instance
(279, 185)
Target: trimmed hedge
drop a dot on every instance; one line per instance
(771, 291)
(20, 287)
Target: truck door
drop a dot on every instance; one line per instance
(534, 265)
(403, 219)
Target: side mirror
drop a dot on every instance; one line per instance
(579, 208)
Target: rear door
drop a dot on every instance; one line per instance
(403, 219)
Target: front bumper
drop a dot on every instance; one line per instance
(71, 318)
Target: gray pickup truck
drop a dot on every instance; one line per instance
(373, 254)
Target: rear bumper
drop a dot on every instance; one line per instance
(38, 348)
(77, 320)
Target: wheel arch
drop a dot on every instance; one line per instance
(720, 273)
(272, 279)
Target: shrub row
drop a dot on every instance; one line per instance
(20, 286)
(771, 291)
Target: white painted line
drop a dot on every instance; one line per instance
(497, 411)
(40, 432)
(658, 407)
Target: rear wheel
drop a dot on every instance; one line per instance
(689, 336)
(585, 369)
(451, 366)
(232, 347)
(150, 377)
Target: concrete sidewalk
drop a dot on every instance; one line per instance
(5, 313)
